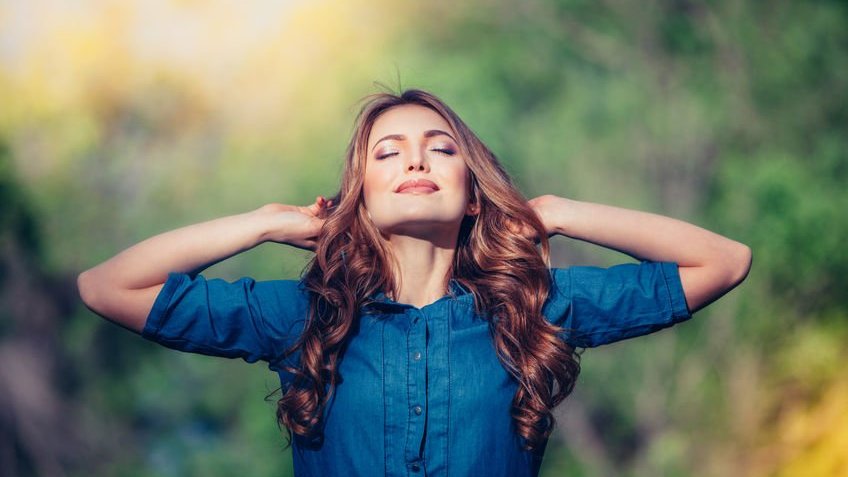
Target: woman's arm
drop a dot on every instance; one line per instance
(124, 287)
(710, 264)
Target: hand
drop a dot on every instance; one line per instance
(549, 208)
(298, 226)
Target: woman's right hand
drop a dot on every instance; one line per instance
(124, 287)
(298, 226)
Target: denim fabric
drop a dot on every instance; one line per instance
(422, 391)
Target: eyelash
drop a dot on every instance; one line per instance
(446, 152)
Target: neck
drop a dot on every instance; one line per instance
(423, 268)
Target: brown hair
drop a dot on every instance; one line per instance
(507, 274)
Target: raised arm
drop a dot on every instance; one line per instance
(710, 264)
(124, 287)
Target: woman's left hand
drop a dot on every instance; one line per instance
(549, 208)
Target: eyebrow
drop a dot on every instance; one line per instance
(400, 137)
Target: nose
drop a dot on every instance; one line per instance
(417, 161)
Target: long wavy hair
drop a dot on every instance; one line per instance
(506, 272)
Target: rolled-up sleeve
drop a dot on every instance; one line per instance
(248, 319)
(597, 306)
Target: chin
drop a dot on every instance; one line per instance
(419, 222)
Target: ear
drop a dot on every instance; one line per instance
(473, 207)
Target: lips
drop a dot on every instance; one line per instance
(423, 184)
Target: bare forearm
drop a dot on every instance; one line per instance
(642, 235)
(710, 264)
(186, 249)
(124, 287)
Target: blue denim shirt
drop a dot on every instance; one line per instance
(422, 391)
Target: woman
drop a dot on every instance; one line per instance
(429, 334)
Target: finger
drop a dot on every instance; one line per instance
(528, 232)
(313, 209)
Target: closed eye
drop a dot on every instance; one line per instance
(447, 152)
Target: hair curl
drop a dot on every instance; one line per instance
(506, 272)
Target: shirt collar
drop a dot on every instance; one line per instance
(455, 288)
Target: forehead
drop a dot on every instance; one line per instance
(410, 120)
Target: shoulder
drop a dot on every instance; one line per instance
(601, 305)
(592, 279)
(280, 297)
(270, 298)
(247, 318)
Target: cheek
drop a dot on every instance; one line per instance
(367, 189)
(374, 182)
(460, 178)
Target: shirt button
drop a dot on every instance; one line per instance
(415, 320)
(415, 467)
(416, 356)
(417, 410)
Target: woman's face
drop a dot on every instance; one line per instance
(414, 143)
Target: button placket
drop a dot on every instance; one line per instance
(417, 387)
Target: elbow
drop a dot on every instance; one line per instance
(723, 272)
(88, 290)
(739, 263)
(126, 308)
(84, 288)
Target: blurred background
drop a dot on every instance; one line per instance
(120, 120)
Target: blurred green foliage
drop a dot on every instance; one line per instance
(730, 115)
